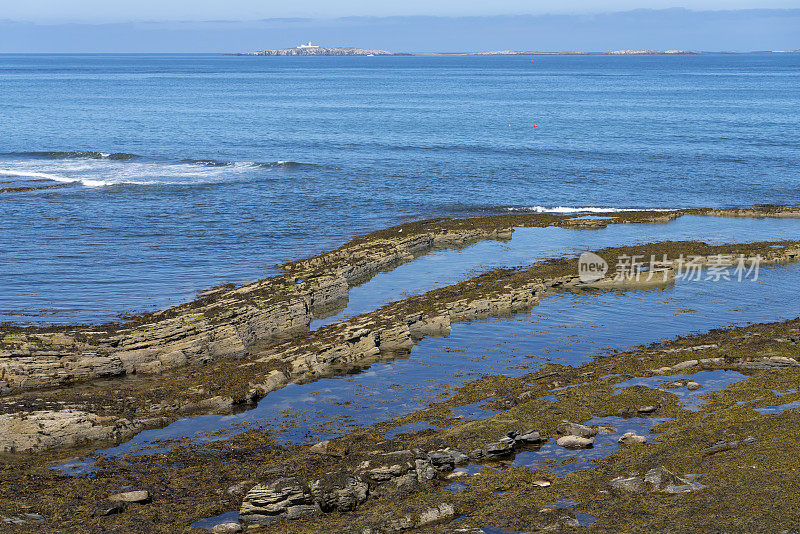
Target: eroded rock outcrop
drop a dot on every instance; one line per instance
(223, 323)
(47, 429)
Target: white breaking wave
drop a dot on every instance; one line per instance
(31, 174)
(588, 209)
(106, 172)
(54, 177)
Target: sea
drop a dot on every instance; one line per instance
(131, 183)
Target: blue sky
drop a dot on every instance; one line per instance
(98, 11)
(240, 31)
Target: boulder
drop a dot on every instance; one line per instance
(339, 491)
(265, 503)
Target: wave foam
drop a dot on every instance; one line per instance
(247, 164)
(99, 169)
(587, 209)
(54, 177)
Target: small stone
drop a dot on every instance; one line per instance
(35, 517)
(500, 448)
(109, 508)
(626, 412)
(441, 460)
(647, 409)
(719, 446)
(138, 496)
(541, 483)
(631, 438)
(425, 471)
(633, 484)
(662, 477)
(680, 488)
(530, 436)
(320, 448)
(575, 442)
(329, 449)
(434, 515)
(685, 365)
(229, 527)
(574, 429)
(693, 386)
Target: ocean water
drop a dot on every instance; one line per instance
(132, 182)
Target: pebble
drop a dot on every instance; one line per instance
(139, 496)
(693, 386)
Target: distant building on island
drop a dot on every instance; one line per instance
(309, 49)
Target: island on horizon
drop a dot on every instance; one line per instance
(316, 50)
(309, 49)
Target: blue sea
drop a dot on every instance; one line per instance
(133, 182)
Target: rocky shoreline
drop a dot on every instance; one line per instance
(229, 320)
(69, 391)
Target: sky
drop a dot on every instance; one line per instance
(101, 11)
(156, 27)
